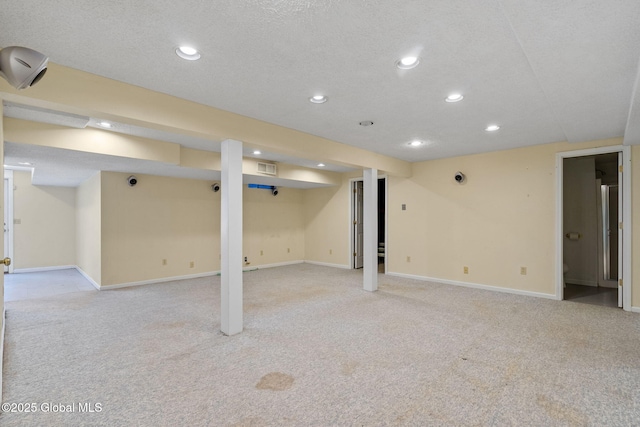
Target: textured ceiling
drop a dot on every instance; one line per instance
(546, 71)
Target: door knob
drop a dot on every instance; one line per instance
(7, 261)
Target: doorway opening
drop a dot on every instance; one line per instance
(593, 242)
(8, 219)
(357, 239)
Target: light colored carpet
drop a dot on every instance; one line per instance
(317, 350)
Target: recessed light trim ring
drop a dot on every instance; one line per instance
(454, 97)
(408, 62)
(188, 53)
(318, 99)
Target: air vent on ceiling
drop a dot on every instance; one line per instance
(267, 168)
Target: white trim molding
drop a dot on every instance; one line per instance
(635, 309)
(327, 264)
(277, 264)
(4, 322)
(159, 280)
(626, 216)
(475, 285)
(43, 269)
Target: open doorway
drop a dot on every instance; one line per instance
(357, 240)
(592, 236)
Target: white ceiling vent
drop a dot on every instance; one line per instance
(267, 168)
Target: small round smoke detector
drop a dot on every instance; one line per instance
(366, 123)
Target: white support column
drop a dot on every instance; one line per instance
(370, 224)
(231, 238)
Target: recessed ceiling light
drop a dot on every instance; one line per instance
(257, 152)
(454, 97)
(366, 123)
(416, 143)
(318, 99)
(408, 62)
(492, 128)
(105, 125)
(188, 53)
(321, 165)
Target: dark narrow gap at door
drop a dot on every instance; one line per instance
(357, 220)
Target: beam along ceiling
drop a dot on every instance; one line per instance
(544, 71)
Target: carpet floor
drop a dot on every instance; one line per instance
(317, 350)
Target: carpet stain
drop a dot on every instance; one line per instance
(562, 412)
(276, 381)
(349, 367)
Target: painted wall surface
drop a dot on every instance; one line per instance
(45, 224)
(89, 227)
(327, 224)
(161, 218)
(500, 220)
(273, 227)
(178, 220)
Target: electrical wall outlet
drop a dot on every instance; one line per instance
(192, 264)
(408, 259)
(164, 261)
(261, 253)
(466, 269)
(523, 271)
(330, 251)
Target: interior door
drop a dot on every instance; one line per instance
(580, 245)
(358, 231)
(620, 225)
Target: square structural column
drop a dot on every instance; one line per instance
(231, 238)
(370, 229)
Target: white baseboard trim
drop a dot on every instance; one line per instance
(42, 269)
(277, 264)
(4, 322)
(89, 278)
(475, 285)
(159, 280)
(326, 264)
(635, 309)
(189, 276)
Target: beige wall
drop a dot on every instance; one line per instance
(45, 224)
(161, 218)
(89, 228)
(327, 222)
(273, 227)
(501, 219)
(179, 220)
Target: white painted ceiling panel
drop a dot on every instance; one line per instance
(546, 71)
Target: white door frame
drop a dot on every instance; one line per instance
(8, 201)
(386, 220)
(626, 216)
